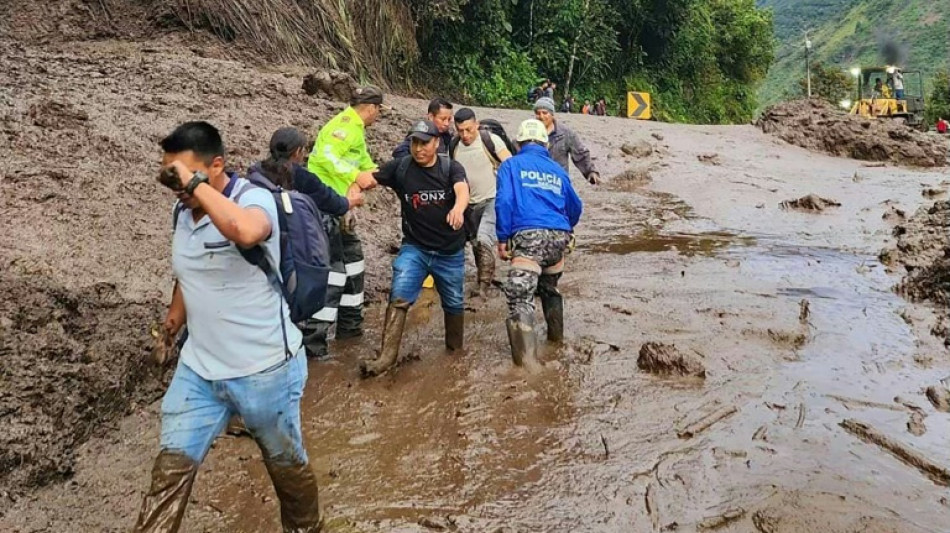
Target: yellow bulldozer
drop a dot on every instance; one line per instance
(878, 97)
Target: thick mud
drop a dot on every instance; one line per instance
(819, 126)
(84, 259)
(676, 251)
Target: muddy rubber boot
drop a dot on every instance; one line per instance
(553, 306)
(454, 332)
(523, 345)
(173, 475)
(485, 262)
(296, 487)
(392, 336)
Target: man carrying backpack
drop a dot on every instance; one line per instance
(340, 159)
(563, 142)
(440, 114)
(479, 150)
(433, 196)
(243, 353)
(536, 209)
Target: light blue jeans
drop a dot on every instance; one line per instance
(195, 411)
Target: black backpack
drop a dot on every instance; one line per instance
(486, 128)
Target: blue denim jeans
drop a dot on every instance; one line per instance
(413, 264)
(195, 411)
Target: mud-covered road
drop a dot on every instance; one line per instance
(687, 246)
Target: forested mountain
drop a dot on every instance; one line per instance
(849, 33)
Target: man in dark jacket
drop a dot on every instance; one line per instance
(563, 142)
(440, 114)
(536, 210)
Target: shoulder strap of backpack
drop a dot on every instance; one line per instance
(490, 147)
(453, 145)
(257, 257)
(445, 165)
(403, 168)
(176, 214)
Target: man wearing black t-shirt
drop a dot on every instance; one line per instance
(433, 195)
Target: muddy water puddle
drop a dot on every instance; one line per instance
(704, 244)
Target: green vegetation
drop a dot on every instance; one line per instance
(938, 106)
(849, 33)
(701, 59)
(831, 84)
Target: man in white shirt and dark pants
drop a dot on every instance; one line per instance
(480, 152)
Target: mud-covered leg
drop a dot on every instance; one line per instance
(173, 476)
(520, 288)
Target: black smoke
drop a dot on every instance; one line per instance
(892, 52)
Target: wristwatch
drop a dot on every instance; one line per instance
(198, 179)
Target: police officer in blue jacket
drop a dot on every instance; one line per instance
(536, 210)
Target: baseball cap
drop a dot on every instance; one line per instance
(368, 94)
(424, 130)
(532, 130)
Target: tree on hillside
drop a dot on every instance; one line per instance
(828, 84)
(938, 105)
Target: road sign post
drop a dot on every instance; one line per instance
(638, 106)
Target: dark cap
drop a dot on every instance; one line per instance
(424, 130)
(285, 141)
(367, 94)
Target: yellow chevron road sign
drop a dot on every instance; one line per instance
(638, 106)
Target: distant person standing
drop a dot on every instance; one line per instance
(563, 142)
(942, 126)
(549, 91)
(568, 105)
(586, 109)
(898, 78)
(601, 107)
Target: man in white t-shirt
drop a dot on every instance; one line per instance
(480, 152)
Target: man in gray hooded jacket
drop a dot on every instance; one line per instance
(563, 142)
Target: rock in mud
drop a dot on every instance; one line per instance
(667, 360)
(811, 202)
(939, 396)
(916, 426)
(819, 126)
(637, 149)
(331, 84)
(709, 159)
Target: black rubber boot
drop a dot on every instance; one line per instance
(523, 345)
(296, 487)
(173, 476)
(552, 303)
(454, 331)
(395, 324)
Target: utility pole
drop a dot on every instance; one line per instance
(808, 62)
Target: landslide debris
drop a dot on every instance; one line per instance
(70, 361)
(817, 125)
(667, 360)
(923, 249)
(811, 202)
(331, 84)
